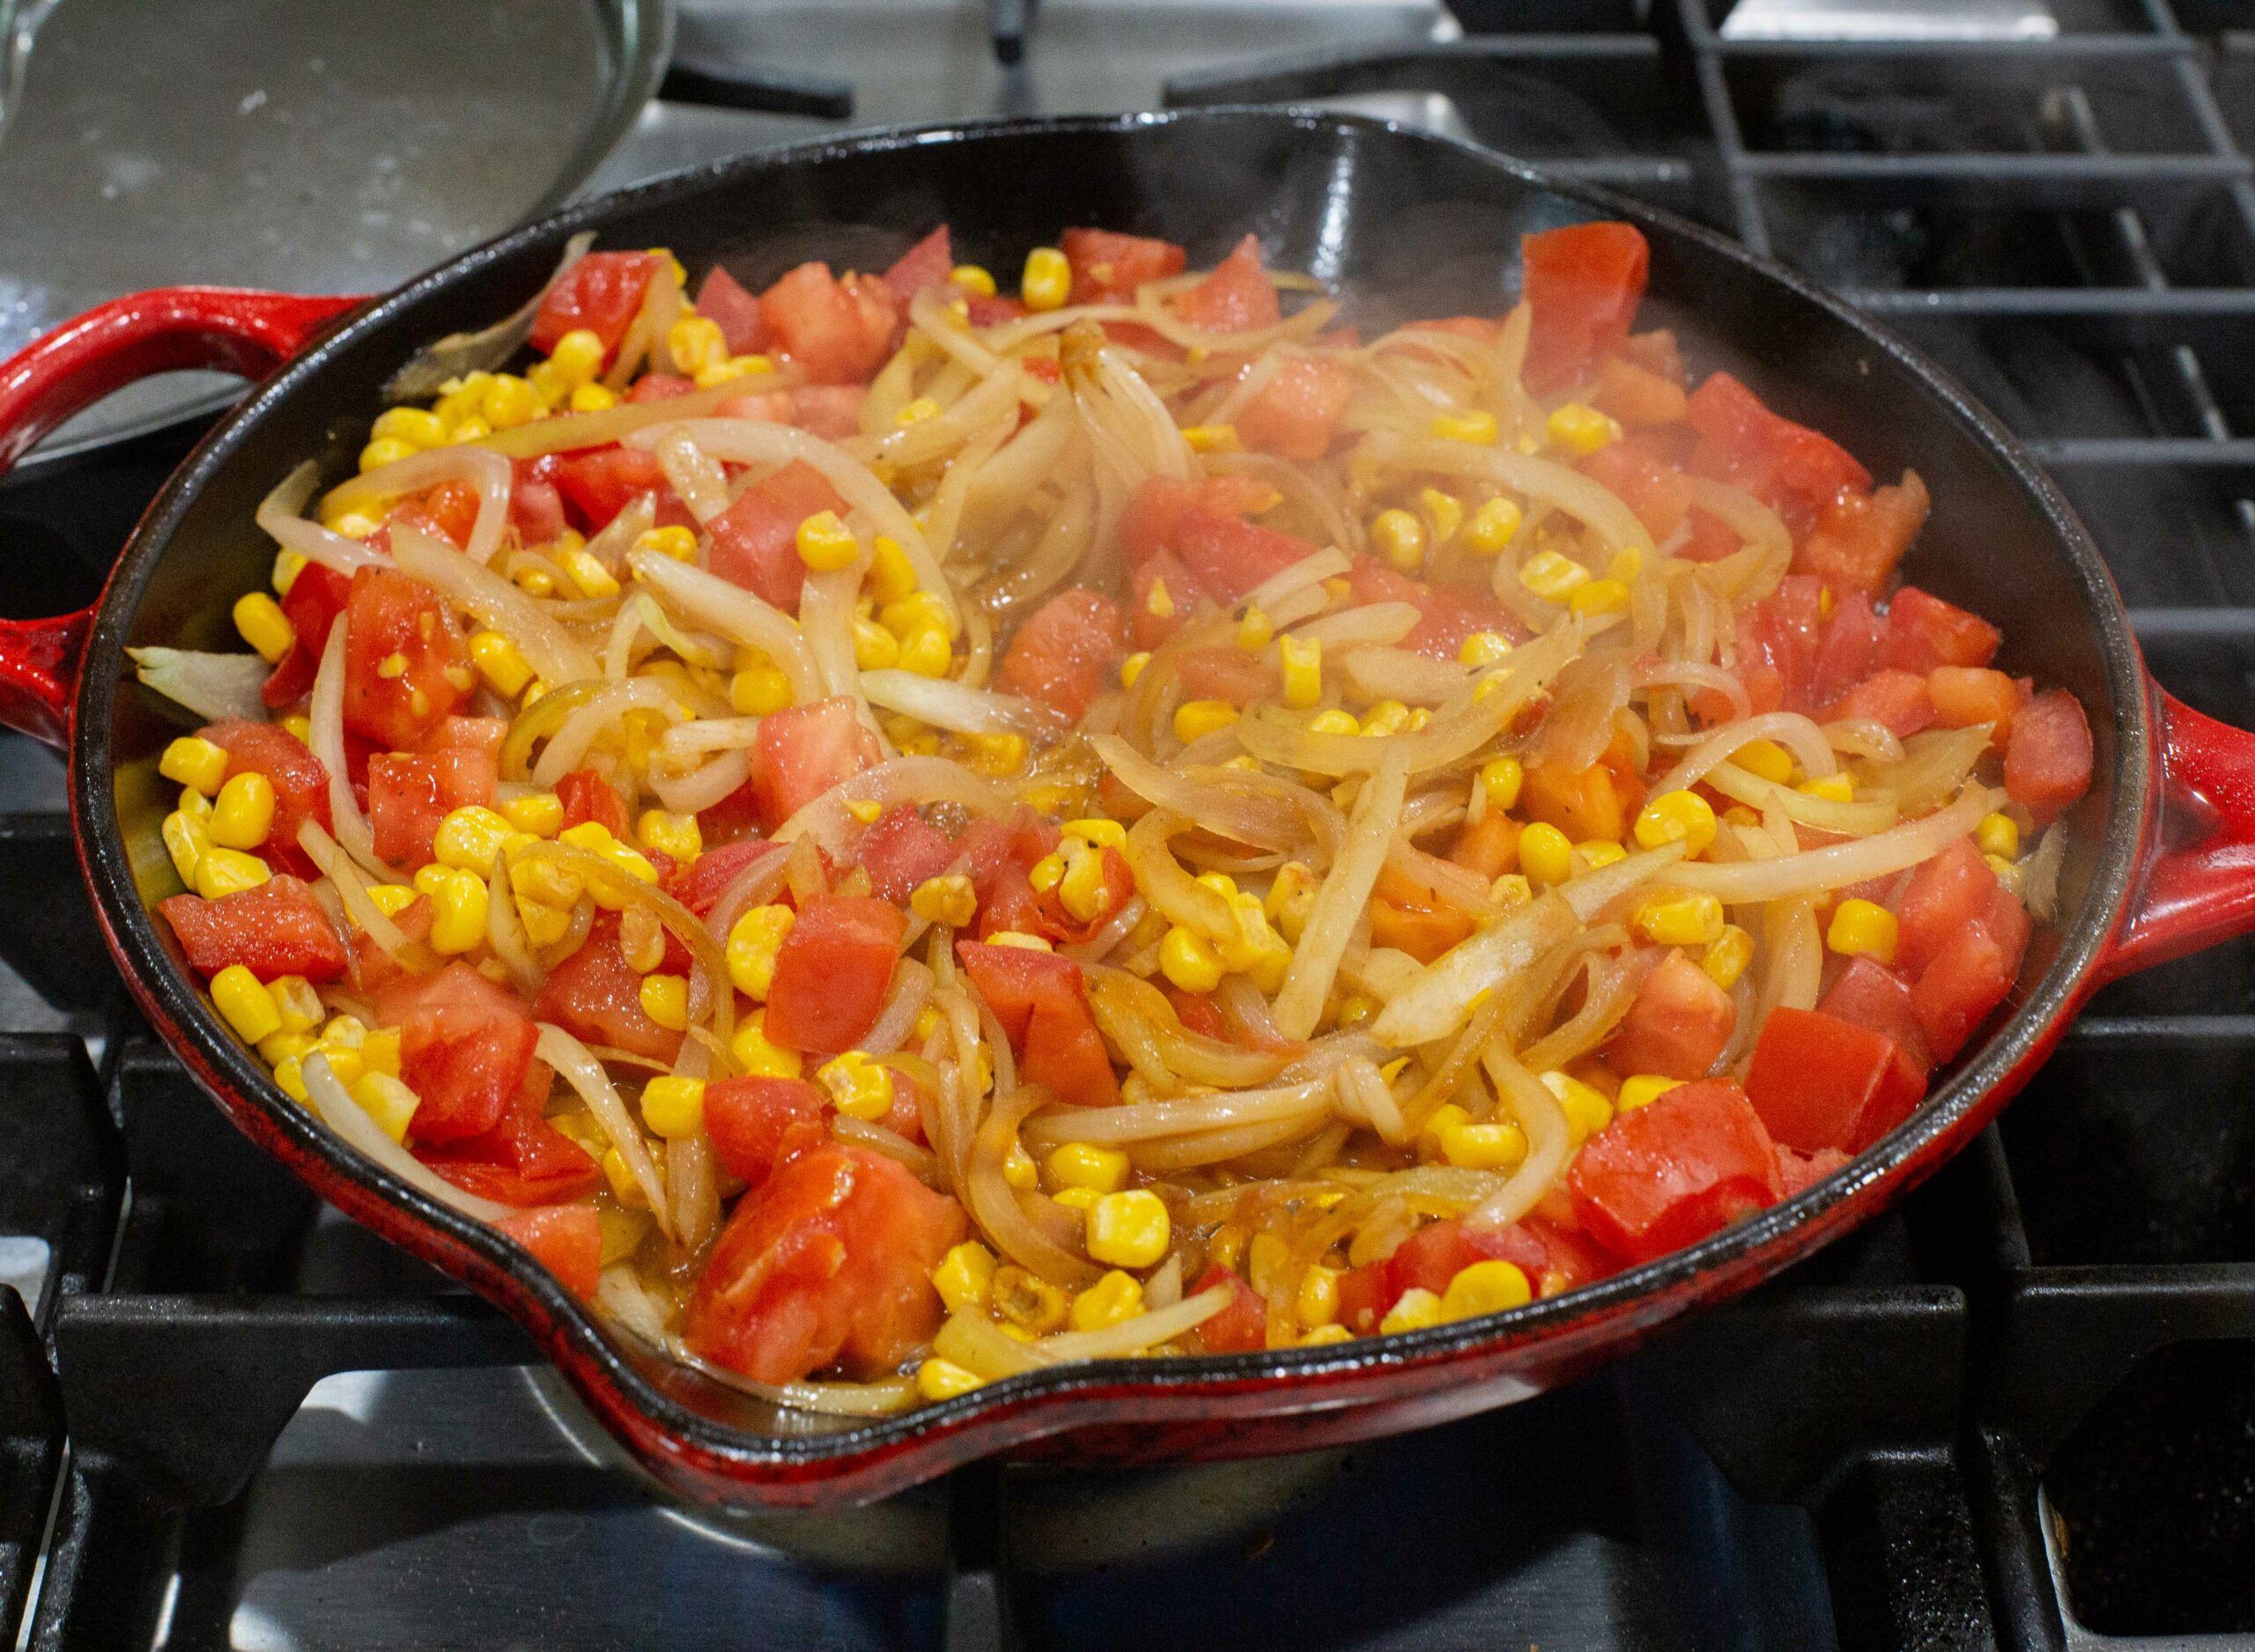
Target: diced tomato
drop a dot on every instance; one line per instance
(1967, 695)
(1584, 282)
(587, 797)
(752, 1120)
(465, 1047)
(1967, 979)
(756, 540)
(1412, 916)
(1295, 414)
(409, 796)
(317, 596)
(1064, 652)
(300, 784)
(1637, 396)
(405, 666)
(729, 305)
(802, 751)
(836, 332)
(1154, 511)
(1363, 1297)
(535, 502)
(1869, 995)
(1859, 537)
(1118, 888)
(1656, 491)
(1849, 651)
(276, 929)
(601, 482)
(1586, 804)
(1948, 891)
(1450, 612)
(829, 1259)
(832, 411)
(1151, 620)
(1820, 1081)
(901, 851)
(1236, 298)
(1784, 464)
(447, 512)
(564, 1239)
(1228, 557)
(1107, 264)
(1554, 1258)
(1225, 672)
(596, 997)
(1242, 1326)
(1784, 632)
(2047, 765)
(833, 971)
(1042, 1004)
(1199, 1014)
(699, 885)
(1711, 540)
(1677, 1025)
(658, 387)
(1489, 847)
(601, 292)
(1669, 1173)
(1000, 852)
(1897, 700)
(524, 1160)
(927, 264)
(985, 312)
(1924, 631)
(1797, 1171)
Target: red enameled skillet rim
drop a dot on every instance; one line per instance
(882, 1455)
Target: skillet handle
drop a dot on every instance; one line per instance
(162, 330)
(2199, 888)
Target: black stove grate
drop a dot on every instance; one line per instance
(2015, 1412)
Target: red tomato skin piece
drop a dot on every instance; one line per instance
(801, 751)
(1154, 511)
(408, 796)
(1924, 631)
(756, 540)
(1967, 695)
(1670, 1173)
(1064, 653)
(1584, 282)
(1869, 995)
(390, 615)
(1242, 1326)
(564, 1239)
(1946, 891)
(901, 850)
(465, 1047)
(1106, 263)
(1677, 1024)
(601, 482)
(833, 971)
(596, 997)
(1850, 649)
(301, 785)
(729, 305)
(1819, 1082)
(1860, 538)
(1041, 1001)
(927, 264)
(1236, 298)
(524, 1160)
(316, 597)
(1295, 414)
(276, 929)
(600, 292)
(752, 1122)
(1147, 626)
(836, 332)
(1967, 979)
(587, 797)
(2048, 762)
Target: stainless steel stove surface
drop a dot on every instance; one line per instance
(2019, 1411)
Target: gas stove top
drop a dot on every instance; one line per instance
(2019, 1410)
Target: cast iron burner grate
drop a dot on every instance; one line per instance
(2016, 1413)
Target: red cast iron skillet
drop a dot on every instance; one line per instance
(2162, 855)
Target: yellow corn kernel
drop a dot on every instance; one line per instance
(462, 396)
(536, 580)
(729, 371)
(384, 1098)
(1387, 717)
(826, 544)
(220, 872)
(1484, 648)
(510, 401)
(473, 429)
(385, 450)
(1018, 1167)
(758, 692)
(1335, 721)
(1862, 929)
(195, 763)
(675, 541)
(596, 838)
(1045, 873)
(1084, 1164)
(696, 343)
(469, 836)
(1399, 537)
(1157, 599)
(1047, 281)
(892, 576)
(1765, 760)
(288, 565)
(1599, 597)
(244, 813)
(1998, 834)
(859, 1086)
(536, 814)
(592, 579)
(1098, 832)
(290, 1074)
(1292, 898)
(1019, 939)
(965, 1276)
(1255, 631)
(1727, 956)
(757, 1055)
(1837, 788)
(1085, 890)
(593, 398)
(1210, 438)
(344, 1032)
(1682, 920)
(296, 1003)
(674, 1107)
(1194, 720)
(1739, 814)
(927, 654)
(1545, 854)
(1416, 1308)
(416, 426)
(1220, 883)
(874, 648)
(1189, 960)
(458, 907)
(392, 899)
(1114, 1299)
(1590, 856)
(380, 1050)
(997, 756)
(1478, 428)
(263, 625)
(1129, 1229)
(1580, 430)
(1324, 1336)
(578, 355)
(1493, 526)
(1255, 949)
(1676, 817)
(943, 1379)
(1026, 1299)
(1316, 1303)
(916, 412)
(1627, 564)
(1447, 1117)
(665, 1000)
(1496, 1146)
(917, 611)
(1552, 576)
(1511, 890)
(1485, 1288)
(1303, 663)
(1132, 668)
(1500, 780)
(624, 1187)
(670, 834)
(1586, 1109)
(1642, 1089)
(1443, 513)
(754, 940)
(501, 663)
(974, 280)
(242, 998)
(950, 899)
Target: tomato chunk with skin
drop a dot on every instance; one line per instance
(1946, 891)
(802, 751)
(2047, 763)
(465, 1046)
(564, 1239)
(900, 850)
(408, 796)
(836, 332)
(1850, 649)
(276, 929)
(1042, 1003)
(1924, 631)
(1869, 995)
(1955, 993)
(1670, 1173)
(828, 1260)
(524, 1160)
(1297, 413)
(729, 305)
(1153, 515)
(316, 597)
(1165, 592)
(587, 797)
(405, 666)
(1242, 1326)
(1899, 701)
(1967, 695)
(601, 292)
(1819, 1082)
(1584, 282)
(833, 971)
(1225, 673)
(1677, 1024)
(1064, 652)
(1859, 538)
(1784, 464)
(1236, 298)
(756, 540)
(752, 1121)
(1636, 395)
(601, 482)
(927, 264)
(300, 780)
(596, 997)
(1228, 556)
(1107, 264)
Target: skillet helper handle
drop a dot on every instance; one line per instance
(165, 330)
(2200, 887)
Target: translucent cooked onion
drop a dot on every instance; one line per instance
(994, 399)
(1768, 545)
(1141, 1012)
(1340, 899)
(911, 991)
(336, 1107)
(692, 1187)
(944, 704)
(972, 1341)
(912, 781)
(1856, 819)
(568, 432)
(1145, 1121)
(1859, 737)
(599, 716)
(1790, 729)
(1549, 1141)
(325, 735)
(1612, 986)
(579, 1068)
(1438, 999)
(556, 656)
(1219, 1147)
(832, 1400)
(892, 1143)
(479, 467)
(695, 477)
(1224, 801)
(708, 600)
(1395, 674)
(1933, 765)
(1308, 571)
(280, 513)
(214, 687)
(2039, 873)
(505, 933)
(1171, 889)
(1578, 726)
(710, 991)
(1816, 870)
(1601, 512)
(359, 905)
(995, 1203)
(1373, 626)
(1593, 892)
(1684, 674)
(702, 788)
